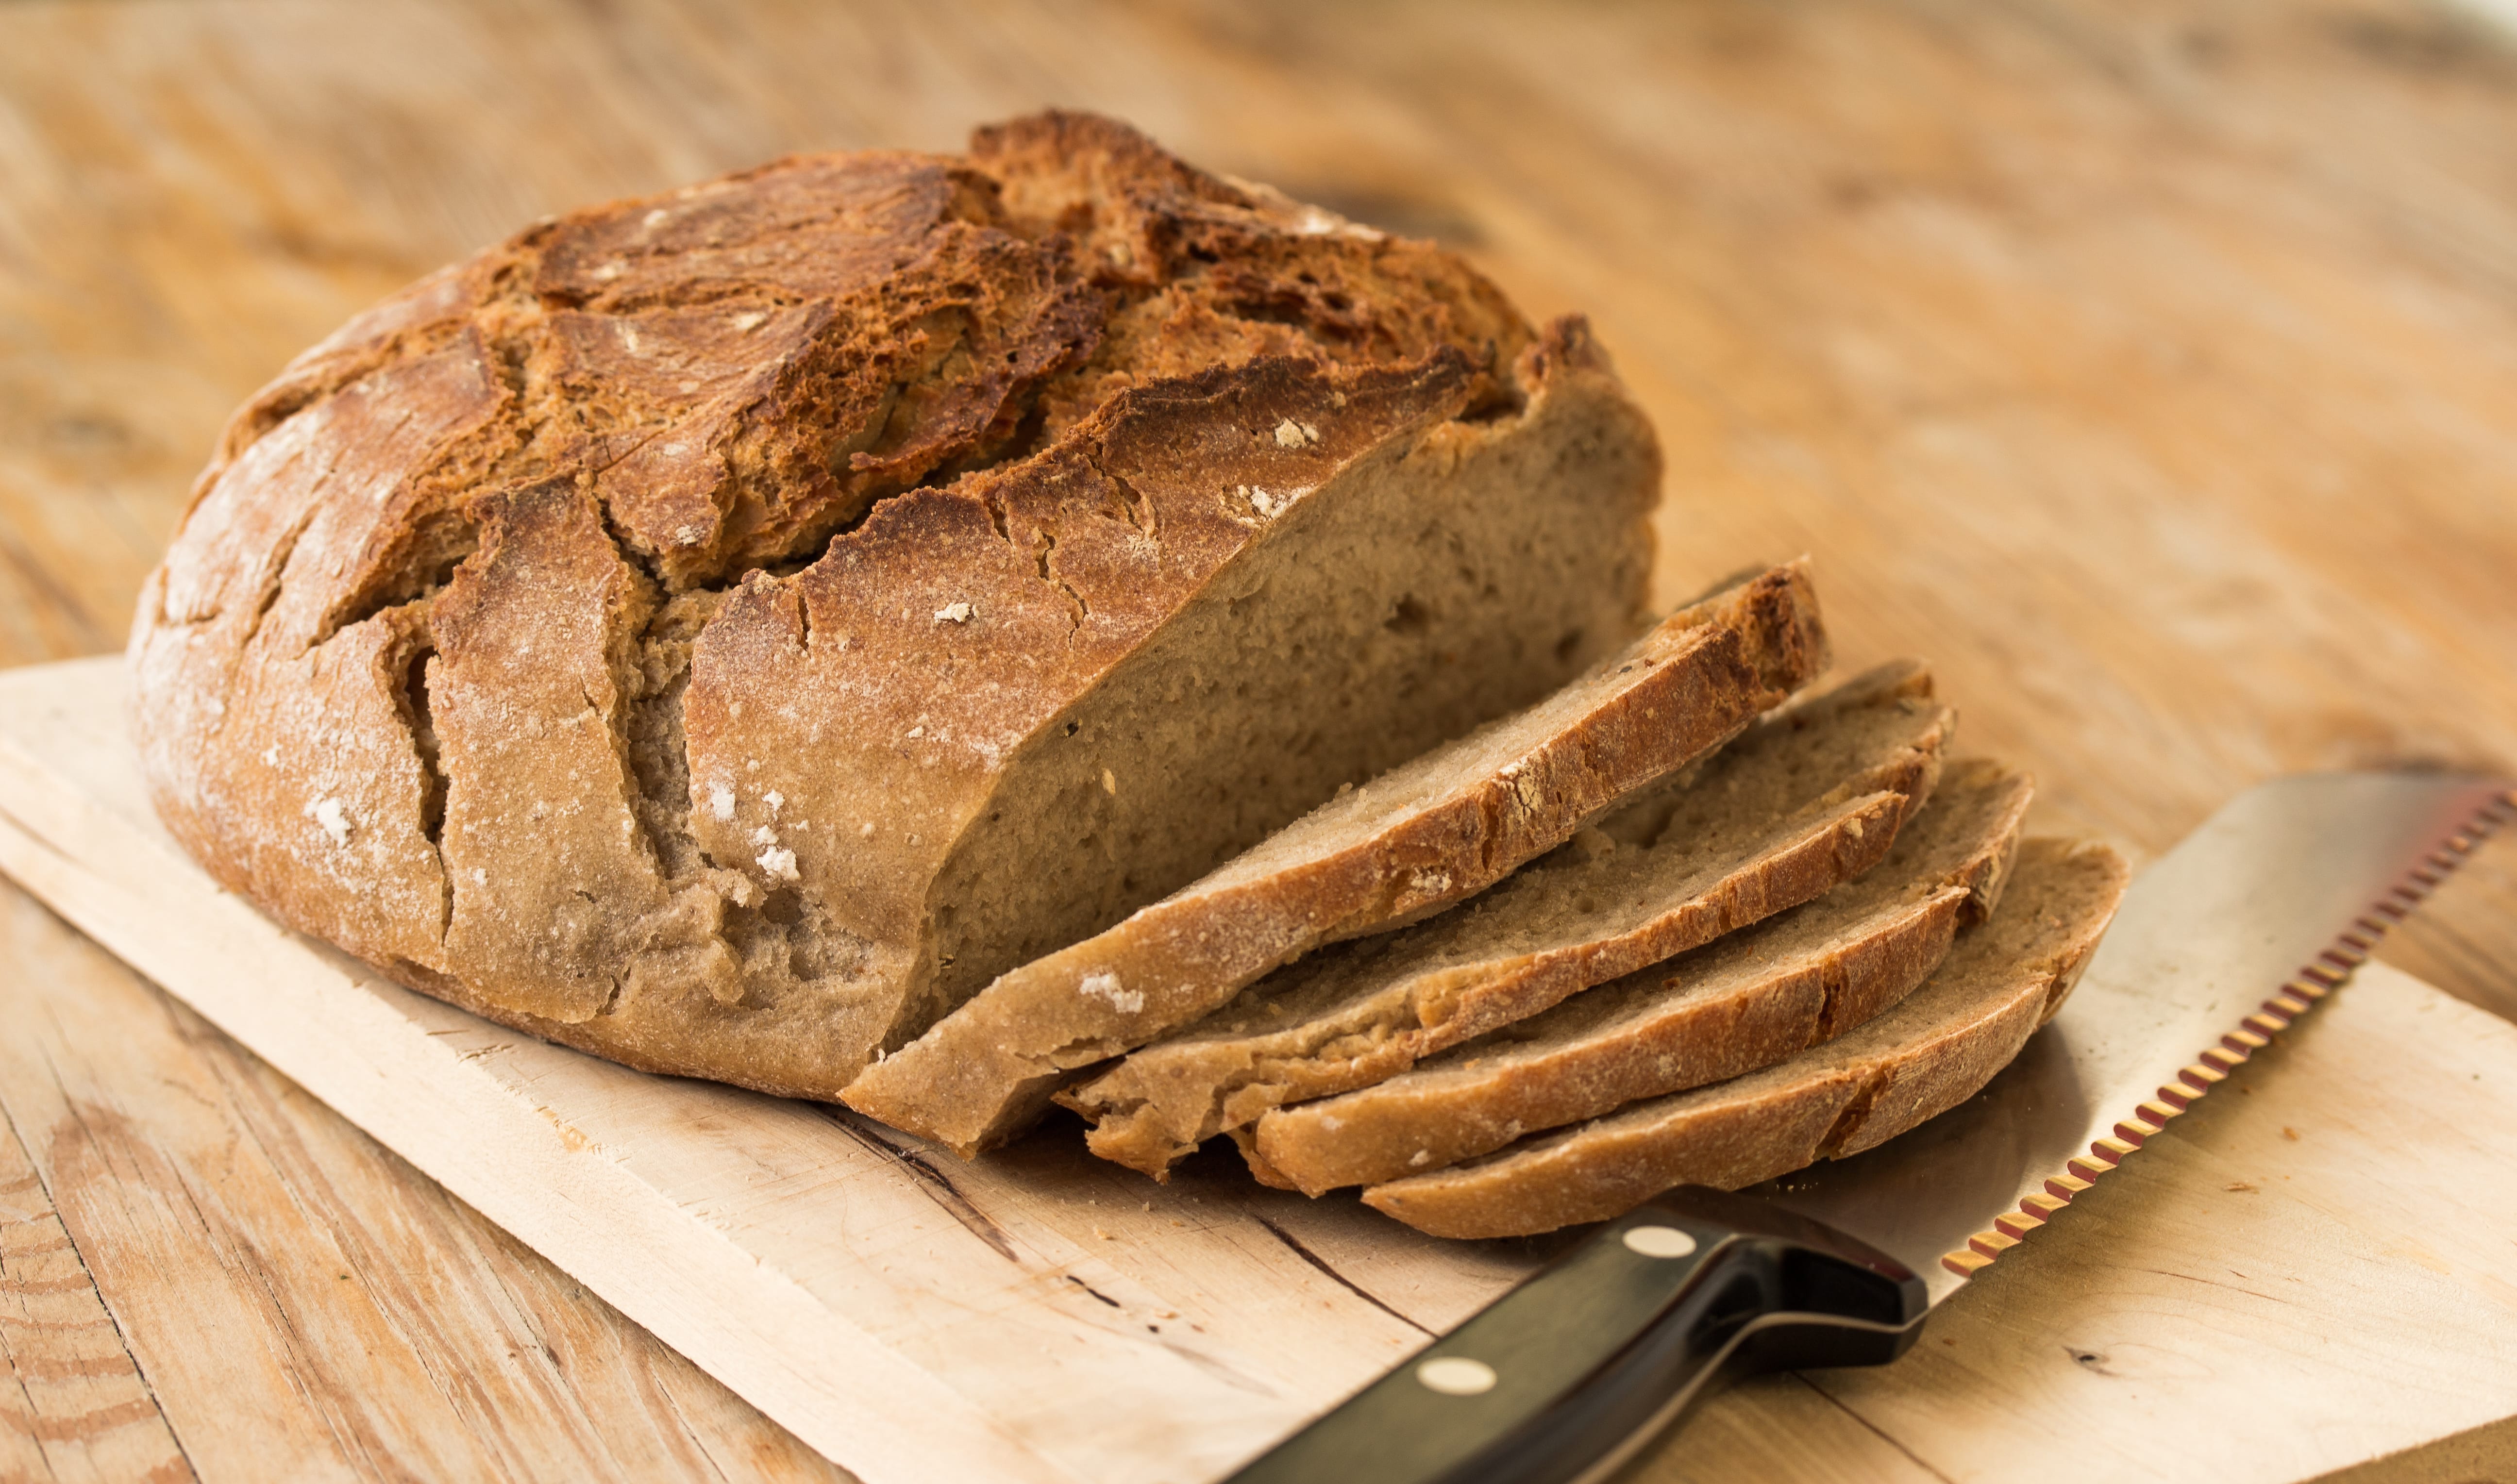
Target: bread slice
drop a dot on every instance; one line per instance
(1802, 801)
(1406, 845)
(1745, 1001)
(1926, 1056)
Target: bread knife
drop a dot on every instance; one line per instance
(2225, 941)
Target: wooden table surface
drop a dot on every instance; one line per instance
(2151, 370)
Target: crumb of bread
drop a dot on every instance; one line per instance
(953, 613)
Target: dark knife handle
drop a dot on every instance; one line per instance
(1566, 1375)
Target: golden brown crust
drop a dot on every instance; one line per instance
(1406, 846)
(285, 763)
(1929, 1055)
(448, 580)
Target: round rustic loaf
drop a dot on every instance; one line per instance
(724, 630)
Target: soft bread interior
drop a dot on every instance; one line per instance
(1409, 599)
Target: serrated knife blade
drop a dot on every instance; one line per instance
(2219, 945)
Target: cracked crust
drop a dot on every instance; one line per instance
(689, 629)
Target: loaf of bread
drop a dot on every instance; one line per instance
(1408, 844)
(910, 630)
(1803, 800)
(725, 630)
(1930, 1053)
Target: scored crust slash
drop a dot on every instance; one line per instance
(951, 632)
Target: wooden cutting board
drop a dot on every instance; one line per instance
(2315, 1270)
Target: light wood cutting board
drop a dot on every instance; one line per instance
(2316, 1269)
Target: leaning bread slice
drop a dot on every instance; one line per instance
(1922, 1058)
(1802, 801)
(1415, 841)
(1742, 1003)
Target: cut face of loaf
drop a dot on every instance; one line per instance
(1930, 1053)
(724, 630)
(1735, 1005)
(1413, 841)
(1805, 799)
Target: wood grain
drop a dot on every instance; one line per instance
(307, 1305)
(75, 1405)
(2147, 366)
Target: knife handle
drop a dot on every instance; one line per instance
(1564, 1377)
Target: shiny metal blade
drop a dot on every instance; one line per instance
(2244, 926)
